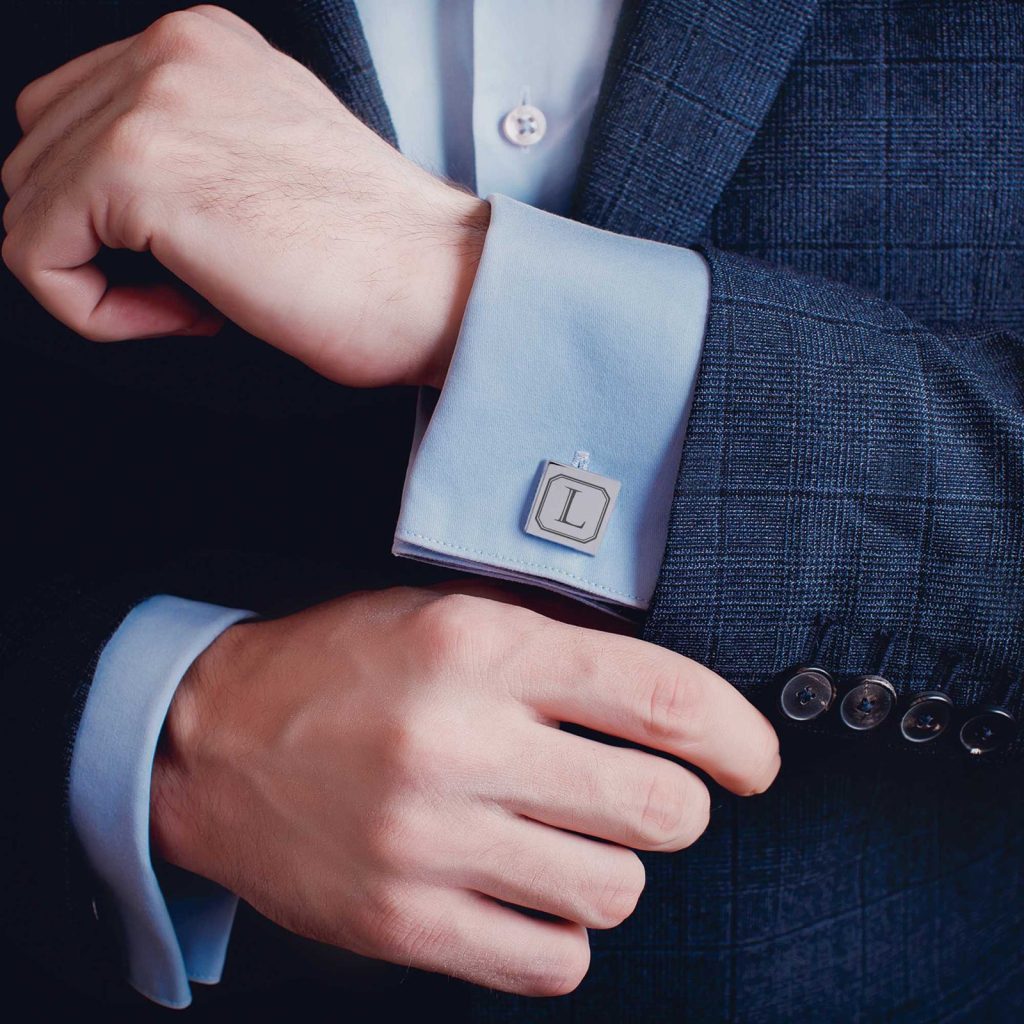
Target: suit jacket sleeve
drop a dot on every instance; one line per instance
(845, 466)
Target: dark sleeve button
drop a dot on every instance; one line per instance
(987, 730)
(807, 693)
(927, 718)
(867, 703)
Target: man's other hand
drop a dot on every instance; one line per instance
(251, 183)
(385, 773)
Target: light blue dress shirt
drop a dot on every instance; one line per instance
(168, 941)
(573, 340)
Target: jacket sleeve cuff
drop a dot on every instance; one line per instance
(578, 347)
(182, 933)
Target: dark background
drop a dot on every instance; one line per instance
(120, 458)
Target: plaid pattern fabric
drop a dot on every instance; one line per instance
(687, 86)
(843, 462)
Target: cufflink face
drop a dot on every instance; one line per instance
(572, 507)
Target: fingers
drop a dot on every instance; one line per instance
(49, 106)
(594, 884)
(56, 125)
(52, 259)
(38, 95)
(469, 936)
(645, 694)
(46, 106)
(56, 128)
(626, 796)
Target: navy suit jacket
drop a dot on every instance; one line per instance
(850, 493)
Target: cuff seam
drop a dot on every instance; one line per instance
(499, 559)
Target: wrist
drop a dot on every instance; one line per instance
(184, 789)
(448, 263)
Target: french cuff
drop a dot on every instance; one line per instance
(182, 934)
(551, 453)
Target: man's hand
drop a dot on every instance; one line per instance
(385, 773)
(250, 182)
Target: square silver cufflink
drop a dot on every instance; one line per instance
(572, 507)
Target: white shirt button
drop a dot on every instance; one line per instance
(524, 125)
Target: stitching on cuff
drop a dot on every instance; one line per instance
(504, 560)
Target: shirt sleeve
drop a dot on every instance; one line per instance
(551, 453)
(171, 936)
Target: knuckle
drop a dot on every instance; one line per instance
(128, 141)
(226, 18)
(618, 894)
(214, 10)
(455, 609)
(17, 256)
(559, 973)
(663, 810)
(177, 32)
(162, 86)
(422, 752)
(410, 747)
(446, 625)
(671, 705)
(9, 250)
(7, 174)
(24, 102)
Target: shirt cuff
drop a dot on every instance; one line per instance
(170, 936)
(577, 346)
